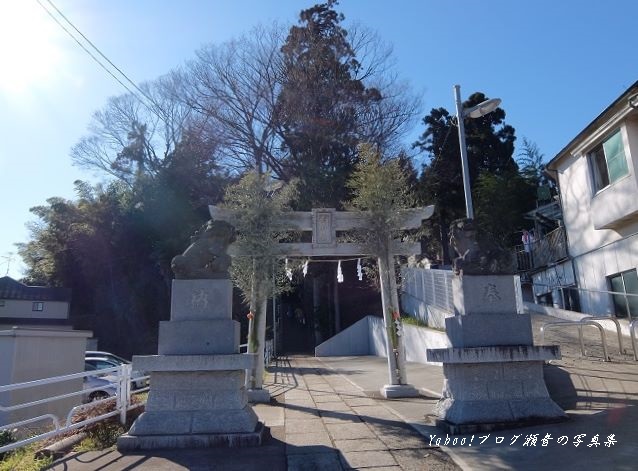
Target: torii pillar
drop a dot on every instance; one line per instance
(324, 224)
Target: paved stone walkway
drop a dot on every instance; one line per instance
(334, 420)
(326, 416)
(318, 419)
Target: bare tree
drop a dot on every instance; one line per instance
(229, 93)
(383, 122)
(133, 134)
(233, 88)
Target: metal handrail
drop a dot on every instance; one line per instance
(122, 403)
(632, 328)
(618, 328)
(580, 334)
(561, 288)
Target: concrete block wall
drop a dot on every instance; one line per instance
(367, 337)
(32, 354)
(351, 341)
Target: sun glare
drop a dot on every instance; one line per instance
(28, 50)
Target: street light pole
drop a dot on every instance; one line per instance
(466, 171)
(477, 111)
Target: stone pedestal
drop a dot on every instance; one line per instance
(197, 396)
(493, 373)
(393, 391)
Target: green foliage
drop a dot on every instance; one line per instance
(103, 434)
(380, 187)
(23, 459)
(101, 437)
(113, 245)
(512, 195)
(259, 204)
(6, 438)
(409, 320)
(318, 107)
(532, 164)
(490, 147)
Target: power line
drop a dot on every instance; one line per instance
(97, 60)
(142, 92)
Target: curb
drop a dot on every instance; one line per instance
(61, 448)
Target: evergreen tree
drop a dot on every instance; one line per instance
(318, 106)
(490, 146)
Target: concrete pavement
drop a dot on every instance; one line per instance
(328, 414)
(319, 420)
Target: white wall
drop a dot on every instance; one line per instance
(576, 195)
(583, 211)
(24, 310)
(370, 332)
(350, 341)
(37, 354)
(599, 253)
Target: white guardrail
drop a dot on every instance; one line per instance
(119, 378)
(269, 351)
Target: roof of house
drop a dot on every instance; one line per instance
(629, 95)
(12, 289)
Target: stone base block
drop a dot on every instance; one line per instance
(488, 329)
(494, 354)
(180, 363)
(201, 299)
(258, 396)
(197, 399)
(484, 294)
(198, 381)
(185, 422)
(129, 442)
(205, 337)
(465, 429)
(461, 417)
(496, 393)
(390, 391)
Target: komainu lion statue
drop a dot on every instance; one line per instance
(471, 258)
(206, 257)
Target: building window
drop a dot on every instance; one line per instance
(608, 162)
(625, 283)
(37, 306)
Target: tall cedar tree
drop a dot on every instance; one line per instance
(318, 106)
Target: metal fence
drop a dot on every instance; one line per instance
(572, 297)
(540, 253)
(269, 351)
(119, 378)
(432, 287)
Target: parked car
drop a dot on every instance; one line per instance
(106, 388)
(107, 355)
(100, 363)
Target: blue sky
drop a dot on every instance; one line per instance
(555, 64)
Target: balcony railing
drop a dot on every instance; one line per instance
(540, 253)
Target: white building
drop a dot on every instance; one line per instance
(597, 173)
(33, 306)
(36, 342)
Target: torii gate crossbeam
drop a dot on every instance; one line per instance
(324, 224)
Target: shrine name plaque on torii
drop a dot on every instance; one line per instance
(325, 223)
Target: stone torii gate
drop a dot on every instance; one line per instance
(324, 225)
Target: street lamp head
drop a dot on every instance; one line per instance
(482, 108)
